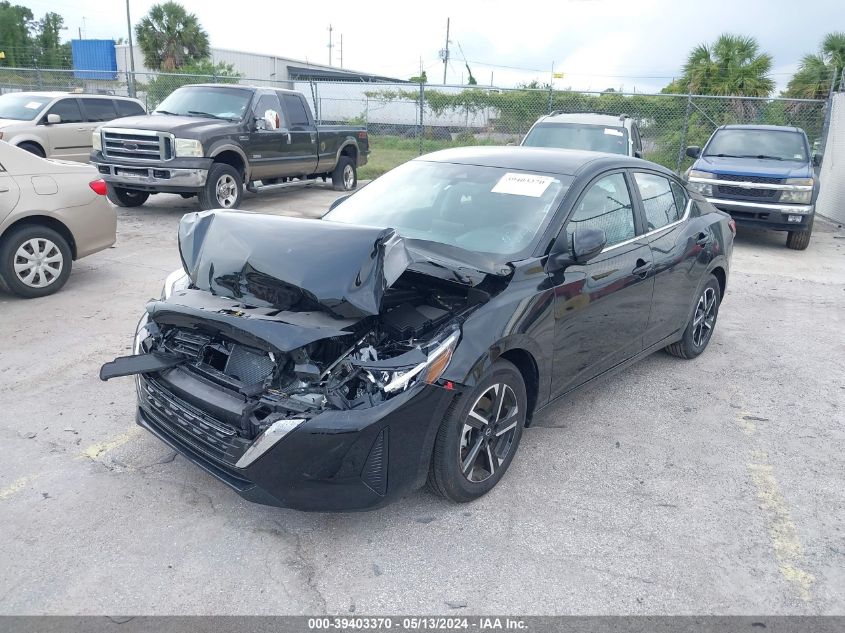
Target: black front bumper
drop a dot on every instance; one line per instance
(335, 461)
(766, 216)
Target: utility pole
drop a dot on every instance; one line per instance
(131, 81)
(444, 54)
(330, 44)
(341, 50)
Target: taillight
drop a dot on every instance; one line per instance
(99, 186)
(362, 135)
(732, 224)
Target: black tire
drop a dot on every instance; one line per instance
(33, 148)
(455, 442)
(345, 175)
(695, 341)
(126, 197)
(798, 241)
(9, 248)
(222, 175)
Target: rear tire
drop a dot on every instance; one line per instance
(345, 175)
(126, 197)
(798, 241)
(471, 455)
(701, 325)
(35, 261)
(224, 188)
(33, 148)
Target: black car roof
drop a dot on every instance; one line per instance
(777, 128)
(564, 162)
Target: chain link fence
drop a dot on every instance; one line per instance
(406, 119)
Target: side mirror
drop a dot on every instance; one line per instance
(817, 159)
(693, 151)
(587, 243)
(337, 201)
(638, 153)
(52, 119)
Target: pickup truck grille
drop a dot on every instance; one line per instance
(750, 194)
(760, 179)
(137, 145)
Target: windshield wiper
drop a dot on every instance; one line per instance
(764, 156)
(164, 112)
(209, 115)
(726, 156)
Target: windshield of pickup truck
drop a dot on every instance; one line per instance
(206, 101)
(594, 138)
(21, 107)
(770, 144)
(483, 209)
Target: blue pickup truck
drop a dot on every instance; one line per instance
(762, 175)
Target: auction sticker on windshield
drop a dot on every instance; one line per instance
(523, 184)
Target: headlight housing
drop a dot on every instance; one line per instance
(177, 280)
(799, 196)
(438, 354)
(142, 333)
(695, 184)
(188, 148)
(97, 141)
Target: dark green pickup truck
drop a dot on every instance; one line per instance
(211, 140)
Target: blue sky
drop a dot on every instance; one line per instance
(597, 44)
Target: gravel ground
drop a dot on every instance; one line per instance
(675, 487)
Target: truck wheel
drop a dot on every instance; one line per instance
(345, 175)
(224, 188)
(33, 148)
(126, 197)
(798, 241)
(35, 261)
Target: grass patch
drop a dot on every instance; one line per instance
(386, 152)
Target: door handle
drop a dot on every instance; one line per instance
(642, 268)
(702, 239)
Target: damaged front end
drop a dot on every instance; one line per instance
(262, 337)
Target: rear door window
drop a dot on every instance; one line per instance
(68, 109)
(659, 202)
(98, 110)
(128, 108)
(296, 111)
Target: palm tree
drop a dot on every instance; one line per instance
(732, 65)
(170, 37)
(816, 70)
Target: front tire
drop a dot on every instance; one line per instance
(345, 175)
(224, 188)
(35, 261)
(33, 148)
(126, 197)
(479, 436)
(701, 325)
(798, 241)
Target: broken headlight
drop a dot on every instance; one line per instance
(177, 280)
(438, 355)
(142, 333)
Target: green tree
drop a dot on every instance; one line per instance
(732, 65)
(419, 79)
(171, 38)
(51, 52)
(816, 70)
(15, 40)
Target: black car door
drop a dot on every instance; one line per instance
(602, 306)
(268, 138)
(301, 157)
(681, 247)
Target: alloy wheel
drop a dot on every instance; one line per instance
(348, 177)
(38, 262)
(705, 317)
(227, 191)
(488, 433)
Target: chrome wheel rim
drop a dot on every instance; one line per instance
(348, 177)
(38, 262)
(488, 433)
(227, 191)
(705, 317)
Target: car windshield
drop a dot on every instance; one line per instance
(21, 107)
(206, 101)
(488, 210)
(773, 144)
(595, 138)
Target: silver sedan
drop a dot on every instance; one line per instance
(51, 213)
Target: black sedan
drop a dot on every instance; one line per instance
(412, 333)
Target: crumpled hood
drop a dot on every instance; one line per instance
(754, 167)
(291, 263)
